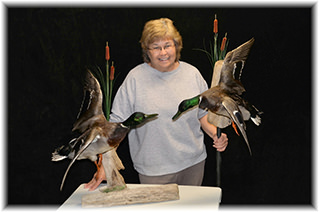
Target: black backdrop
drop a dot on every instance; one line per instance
(49, 48)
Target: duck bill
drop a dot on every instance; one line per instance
(149, 116)
(176, 115)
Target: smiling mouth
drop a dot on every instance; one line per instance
(163, 59)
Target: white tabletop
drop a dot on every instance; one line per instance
(191, 197)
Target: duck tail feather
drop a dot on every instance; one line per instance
(256, 120)
(57, 157)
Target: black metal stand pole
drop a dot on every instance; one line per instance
(218, 160)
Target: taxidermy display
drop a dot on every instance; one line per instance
(98, 136)
(225, 99)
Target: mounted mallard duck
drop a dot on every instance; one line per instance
(225, 99)
(98, 135)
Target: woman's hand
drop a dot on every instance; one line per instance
(220, 143)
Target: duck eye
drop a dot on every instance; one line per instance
(138, 118)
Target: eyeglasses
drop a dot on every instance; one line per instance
(158, 49)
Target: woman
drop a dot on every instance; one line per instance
(164, 151)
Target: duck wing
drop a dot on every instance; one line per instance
(232, 67)
(82, 143)
(93, 105)
(236, 115)
(212, 100)
(227, 75)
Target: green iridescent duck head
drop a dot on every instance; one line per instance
(185, 105)
(137, 118)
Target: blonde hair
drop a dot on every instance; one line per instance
(158, 29)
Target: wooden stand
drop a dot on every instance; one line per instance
(147, 194)
(112, 164)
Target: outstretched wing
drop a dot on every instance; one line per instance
(227, 75)
(233, 65)
(236, 115)
(93, 106)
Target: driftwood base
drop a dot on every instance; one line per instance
(147, 194)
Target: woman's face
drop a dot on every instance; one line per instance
(162, 54)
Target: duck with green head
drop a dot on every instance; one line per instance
(225, 99)
(98, 135)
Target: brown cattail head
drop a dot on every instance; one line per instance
(107, 51)
(222, 47)
(112, 71)
(215, 30)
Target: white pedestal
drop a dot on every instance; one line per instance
(191, 197)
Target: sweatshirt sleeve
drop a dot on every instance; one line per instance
(123, 102)
(203, 87)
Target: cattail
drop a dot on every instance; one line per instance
(112, 71)
(222, 47)
(107, 51)
(215, 30)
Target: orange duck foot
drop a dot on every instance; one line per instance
(98, 162)
(99, 173)
(235, 127)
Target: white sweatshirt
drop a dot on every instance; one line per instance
(162, 146)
